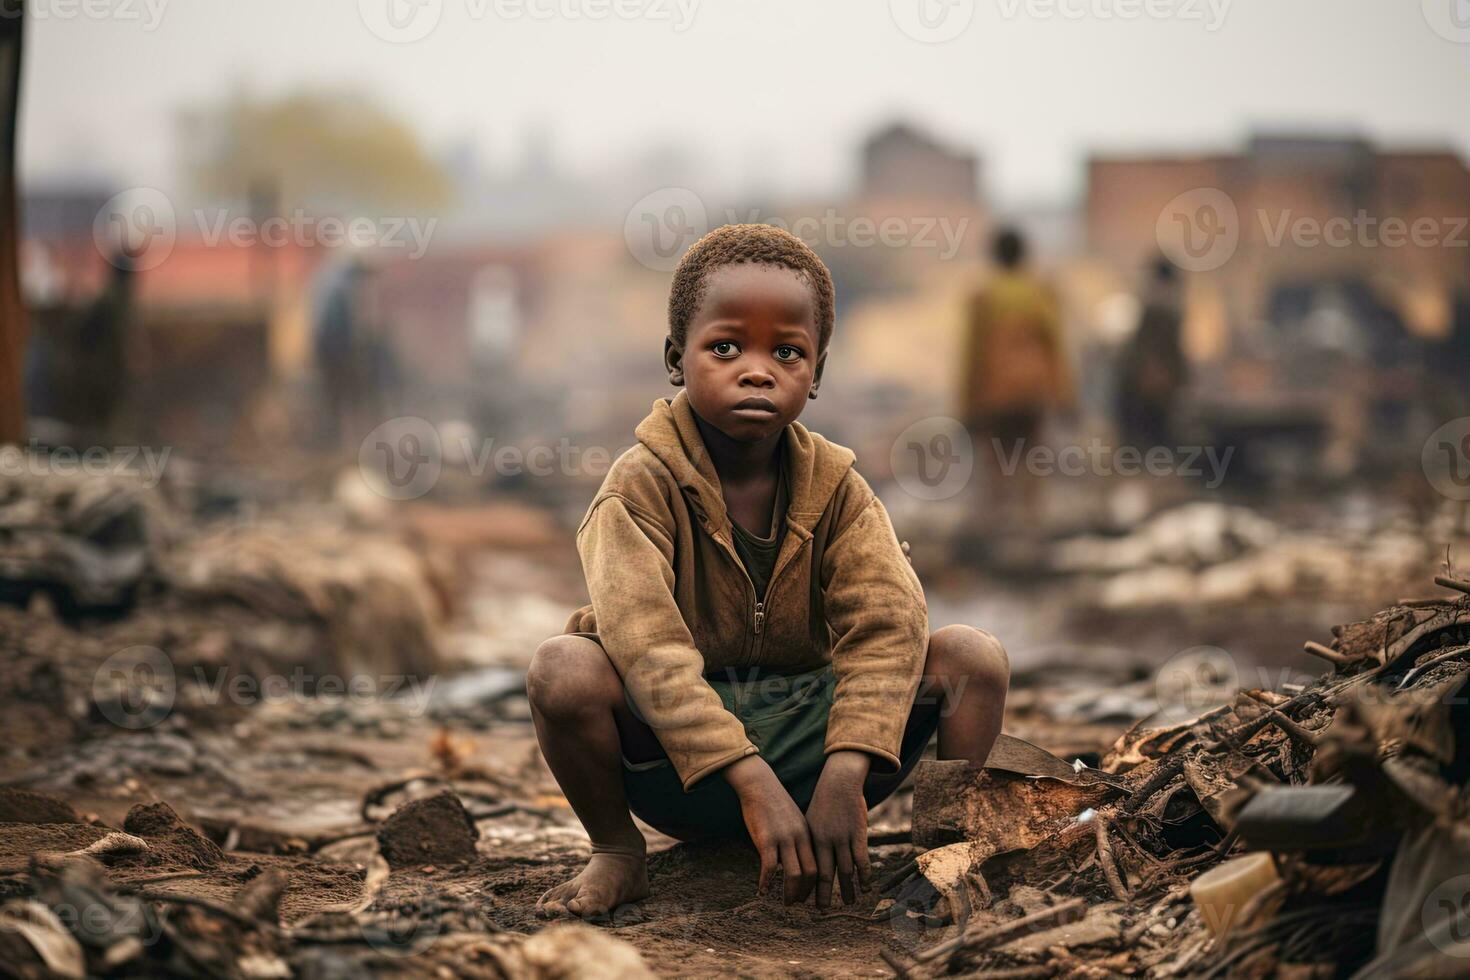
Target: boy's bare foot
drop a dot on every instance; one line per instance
(613, 877)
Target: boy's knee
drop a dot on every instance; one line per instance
(972, 652)
(569, 676)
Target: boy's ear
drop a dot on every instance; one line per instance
(674, 362)
(817, 375)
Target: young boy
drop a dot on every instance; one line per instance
(756, 658)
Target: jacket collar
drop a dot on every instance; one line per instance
(814, 466)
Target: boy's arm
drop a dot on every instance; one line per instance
(876, 608)
(627, 556)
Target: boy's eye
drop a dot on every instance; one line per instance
(788, 353)
(725, 348)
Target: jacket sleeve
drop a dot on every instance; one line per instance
(875, 607)
(627, 557)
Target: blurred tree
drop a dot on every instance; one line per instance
(13, 321)
(323, 151)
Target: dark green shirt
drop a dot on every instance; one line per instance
(758, 555)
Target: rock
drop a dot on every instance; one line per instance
(436, 830)
(574, 951)
(175, 840)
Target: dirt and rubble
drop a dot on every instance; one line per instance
(1353, 783)
(167, 810)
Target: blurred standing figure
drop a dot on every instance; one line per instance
(336, 347)
(1152, 369)
(358, 369)
(1016, 371)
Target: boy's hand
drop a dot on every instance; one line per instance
(776, 825)
(838, 817)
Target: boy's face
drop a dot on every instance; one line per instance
(750, 355)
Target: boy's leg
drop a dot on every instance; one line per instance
(585, 728)
(967, 672)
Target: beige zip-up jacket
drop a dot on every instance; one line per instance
(670, 599)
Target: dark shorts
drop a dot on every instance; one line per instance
(785, 716)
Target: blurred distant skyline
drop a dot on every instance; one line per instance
(752, 97)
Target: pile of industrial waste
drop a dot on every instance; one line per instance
(1318, 831)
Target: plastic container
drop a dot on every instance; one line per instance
(1222, 892)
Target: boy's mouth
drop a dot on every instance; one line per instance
(755, 407)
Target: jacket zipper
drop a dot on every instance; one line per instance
(758, 615)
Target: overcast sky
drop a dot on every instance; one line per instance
(770, 92)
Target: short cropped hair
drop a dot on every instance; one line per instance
(752, 243)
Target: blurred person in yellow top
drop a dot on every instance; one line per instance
(1015, 373)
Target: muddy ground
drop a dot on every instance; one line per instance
(295, 780)
(299, 776)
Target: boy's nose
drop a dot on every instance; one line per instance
(758, 378)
